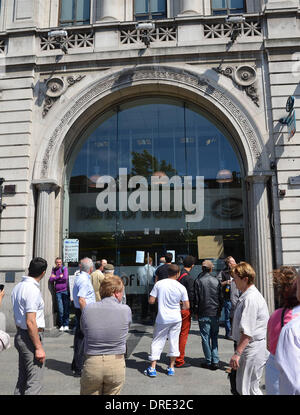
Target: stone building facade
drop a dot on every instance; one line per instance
(51, 90)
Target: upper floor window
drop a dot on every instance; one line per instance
(228, 7)
(74, 12)
(150, 9)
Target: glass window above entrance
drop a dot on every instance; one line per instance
(155, 175)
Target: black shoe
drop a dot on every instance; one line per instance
(228, 338)
(205, 365)
(184, 365)
(214, 366)
(77, 374)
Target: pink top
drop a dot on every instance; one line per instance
(274, 325)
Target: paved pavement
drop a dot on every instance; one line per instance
(59, 380)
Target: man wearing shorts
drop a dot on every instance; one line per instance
(171, 296)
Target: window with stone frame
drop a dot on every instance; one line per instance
(150, 9)
(221, 7)
(74, 12)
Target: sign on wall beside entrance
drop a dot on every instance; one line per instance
(290, 120)
(71, 250)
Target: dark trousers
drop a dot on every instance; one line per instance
(63, 305)
(78, 357)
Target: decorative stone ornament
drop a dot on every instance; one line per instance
(244, 76)
(56, 87)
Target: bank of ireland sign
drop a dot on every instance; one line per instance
(71, 250)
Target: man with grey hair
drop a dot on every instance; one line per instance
(109, 270)
(83, 294)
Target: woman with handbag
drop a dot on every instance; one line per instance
(285, 283)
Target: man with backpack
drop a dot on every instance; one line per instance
(188, 282)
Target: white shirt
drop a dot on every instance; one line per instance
(145, 274)
(26, 297)
(169, 293)
(287, 358)
(83, 288)
(251, 315)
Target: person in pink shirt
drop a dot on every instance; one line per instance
(285, 283)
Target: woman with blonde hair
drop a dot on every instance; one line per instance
(285, 284)
(249, 331)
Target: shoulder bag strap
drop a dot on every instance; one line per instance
(181, 276)
(282, 316)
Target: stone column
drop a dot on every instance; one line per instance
(44, 239)
(260, 237)
(190, 7)
(110, 10)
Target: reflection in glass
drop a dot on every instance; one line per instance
(155, 137)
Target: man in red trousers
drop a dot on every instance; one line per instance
(188, 282)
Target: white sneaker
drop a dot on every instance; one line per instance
(61, 328)
(66, 328)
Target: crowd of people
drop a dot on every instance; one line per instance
(103, 320)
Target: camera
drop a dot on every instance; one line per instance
(1, 287)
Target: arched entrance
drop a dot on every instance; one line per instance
(233, 122)
(144, 138)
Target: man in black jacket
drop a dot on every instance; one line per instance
(208, 307)
(188, 282)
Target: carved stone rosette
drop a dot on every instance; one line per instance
(56, 87)
(244, 76)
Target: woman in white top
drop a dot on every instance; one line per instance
(287, 356)
(249, 331)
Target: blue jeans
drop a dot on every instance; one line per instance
(227, 309)
(63, 304)
(209, 329)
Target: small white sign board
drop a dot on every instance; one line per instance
(71, 250)
(140, 257)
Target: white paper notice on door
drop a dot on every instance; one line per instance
(140, 257)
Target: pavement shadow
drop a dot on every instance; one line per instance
(140, 366)
(59, 366)
(196, 362)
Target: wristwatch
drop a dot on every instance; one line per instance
(237, 353)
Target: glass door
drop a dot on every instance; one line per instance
(155, 175)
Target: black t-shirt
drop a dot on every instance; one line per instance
(162, 272)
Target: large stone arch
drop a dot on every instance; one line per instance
(143, 80)
(126, 83)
